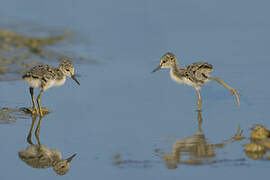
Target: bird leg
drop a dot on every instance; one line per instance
(199, 100)
(38, 101)
(37, 130)
(233, 91)
(34, 117)
(35, 111)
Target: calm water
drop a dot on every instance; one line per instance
(123, 119)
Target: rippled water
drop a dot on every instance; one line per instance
(126, 123)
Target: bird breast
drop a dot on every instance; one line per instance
(178, 79)
(60, 82)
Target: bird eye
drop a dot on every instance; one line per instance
(67, 69)
(163, 61)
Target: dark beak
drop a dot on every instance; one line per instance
(157, 68)
(70, 158)
(73, 77)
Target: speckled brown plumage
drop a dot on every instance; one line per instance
(44, 73)
(196, 74)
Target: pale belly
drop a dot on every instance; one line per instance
(36, 83)
(181, 80)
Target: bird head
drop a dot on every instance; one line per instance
(167, 61)
(67, 68)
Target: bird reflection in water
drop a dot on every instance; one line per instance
(195, 150)
(40, 156)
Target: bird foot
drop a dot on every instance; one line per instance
(235, 93)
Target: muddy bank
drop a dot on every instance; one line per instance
(20, 51)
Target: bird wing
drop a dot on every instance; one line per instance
(44, 72)
(198, 71)
(199, 67)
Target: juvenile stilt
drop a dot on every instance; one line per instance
(45, 77)
(196, 75)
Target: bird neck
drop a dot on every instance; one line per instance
(60, 81)
(60, 73)
(60, 70)
(174, 66)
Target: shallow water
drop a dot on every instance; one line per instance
(122, 120)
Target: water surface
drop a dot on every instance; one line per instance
(122, 120)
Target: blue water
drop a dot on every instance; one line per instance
(121, 108)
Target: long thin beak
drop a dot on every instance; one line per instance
(74, 78)
(157, 68)
(70, 158)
